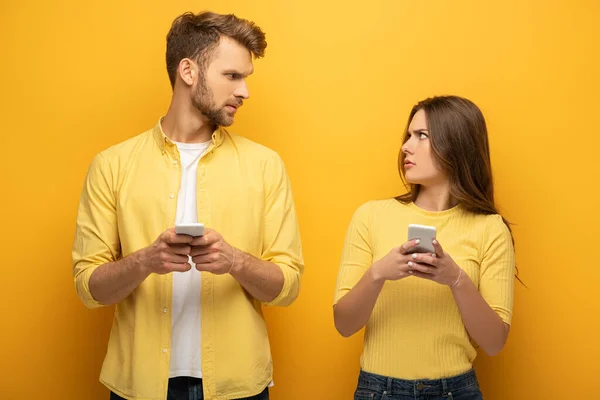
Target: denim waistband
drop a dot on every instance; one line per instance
(433, 387)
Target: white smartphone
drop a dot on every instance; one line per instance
(192, 229)
(424, 232)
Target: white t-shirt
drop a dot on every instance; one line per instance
(186, 355)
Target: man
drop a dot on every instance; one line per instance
(188, 320)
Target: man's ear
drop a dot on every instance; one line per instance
(188, 71)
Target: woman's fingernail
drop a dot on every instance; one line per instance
(410, 264)
(414, 255)
(418, 241)
(434, 241)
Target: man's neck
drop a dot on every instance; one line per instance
(185, 124)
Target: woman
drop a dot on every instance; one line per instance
(425, 312)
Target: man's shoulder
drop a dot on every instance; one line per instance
(127, 147)
(250, 148)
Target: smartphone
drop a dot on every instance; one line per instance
(424, 232)
(192, 229)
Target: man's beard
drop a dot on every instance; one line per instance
(203, 100)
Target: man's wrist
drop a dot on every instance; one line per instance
(139, 261)
(239, 261)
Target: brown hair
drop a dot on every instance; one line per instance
(459, 143)
(195, 36)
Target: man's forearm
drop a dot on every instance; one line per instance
(262, 279)
(114, 281)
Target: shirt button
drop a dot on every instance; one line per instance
(164, 350)
(165, 310)
(171, 196)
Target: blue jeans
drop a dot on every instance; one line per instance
(185, 388)
(377, 387)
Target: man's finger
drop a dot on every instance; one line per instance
(181, 249)
(201, 251)
(170, 237)
(209, 238)
(177, 258)
(177, 267)
(208, 267)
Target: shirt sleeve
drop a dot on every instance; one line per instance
(497, 270)
(357, 255)
(282, 245)
(96, 235)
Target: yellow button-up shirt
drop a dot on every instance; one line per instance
(129, 198)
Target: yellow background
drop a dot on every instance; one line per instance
(331, 96)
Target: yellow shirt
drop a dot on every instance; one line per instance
(415, 330)
(129, 198)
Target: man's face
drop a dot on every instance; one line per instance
(221, 89)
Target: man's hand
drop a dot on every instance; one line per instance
(169, 253)
(212, 253)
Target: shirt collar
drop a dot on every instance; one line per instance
(166, 144)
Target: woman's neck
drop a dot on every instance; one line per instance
(435, 198)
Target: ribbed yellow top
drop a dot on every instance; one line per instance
(415, 330)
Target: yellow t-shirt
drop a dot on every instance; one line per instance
(415, 330)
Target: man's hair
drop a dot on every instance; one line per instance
(196, 36)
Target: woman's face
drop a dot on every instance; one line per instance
(419, 165)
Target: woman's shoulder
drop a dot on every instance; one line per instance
(376, 212)
(492, 222)
(372, 207)
(489, 227)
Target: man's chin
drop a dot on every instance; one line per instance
(221, 120)
(226, 121)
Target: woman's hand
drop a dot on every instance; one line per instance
(397, 264)
(438, 267)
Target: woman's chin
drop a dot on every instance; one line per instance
(411, 180)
